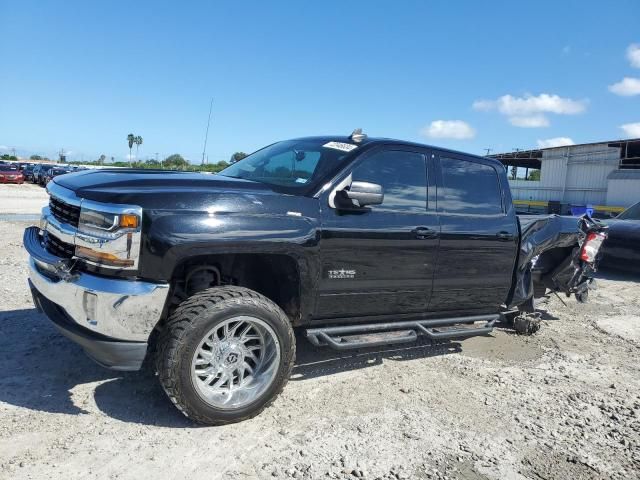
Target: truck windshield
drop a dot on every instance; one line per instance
(292, 163)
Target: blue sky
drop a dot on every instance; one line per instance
(82, 75)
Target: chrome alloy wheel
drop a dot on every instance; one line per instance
(235, 362)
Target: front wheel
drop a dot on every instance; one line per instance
(225, 354)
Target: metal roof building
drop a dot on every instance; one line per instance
(603, 174)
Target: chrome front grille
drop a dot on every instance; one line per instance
(64, 212)
(57, 247)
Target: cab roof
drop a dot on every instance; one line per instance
(371, 141)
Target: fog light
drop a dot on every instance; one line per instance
(89, 304)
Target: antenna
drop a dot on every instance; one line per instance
(206, 135)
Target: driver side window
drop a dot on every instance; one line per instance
(403, 177)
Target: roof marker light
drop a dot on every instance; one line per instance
(357, 136)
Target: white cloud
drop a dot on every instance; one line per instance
(531, 121)
(456, 129)
(532, 104)
(631, 130)
(4, 147)
(555, 142)
(627, 87)
(633, 54)
(528, 111)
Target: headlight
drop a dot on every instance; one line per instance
(109, 235)
(93, 221)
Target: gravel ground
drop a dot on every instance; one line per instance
(564, 403)
(27, 198)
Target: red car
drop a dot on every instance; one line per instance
(10, 175)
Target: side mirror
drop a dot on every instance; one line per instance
(364, 193)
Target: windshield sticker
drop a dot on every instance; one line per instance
(301, 180)
(345, 147)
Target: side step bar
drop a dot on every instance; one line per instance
(350, 337)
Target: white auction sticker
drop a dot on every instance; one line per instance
(345, 147)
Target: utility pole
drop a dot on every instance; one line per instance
(206, 135)
(488, 151)
(156, 156)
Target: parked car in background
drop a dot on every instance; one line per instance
(27, 171)
(38, 170)
(10, 174)
(622, 248)
(51, 173)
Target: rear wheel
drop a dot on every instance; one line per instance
(225, 354)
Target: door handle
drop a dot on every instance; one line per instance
(424, 233)
(504, 236)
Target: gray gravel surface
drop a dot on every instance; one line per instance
(564, 403)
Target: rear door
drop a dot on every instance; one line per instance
(478, 238)
(380, 261)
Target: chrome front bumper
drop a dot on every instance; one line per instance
(126, 310)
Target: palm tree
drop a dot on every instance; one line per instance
(131, 139)
(138, 141)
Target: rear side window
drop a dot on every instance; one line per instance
(469, 188)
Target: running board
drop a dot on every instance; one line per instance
(350, 337)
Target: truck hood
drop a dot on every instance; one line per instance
(190, 193)
(89, 182)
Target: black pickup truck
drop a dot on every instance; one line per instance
(361, 242)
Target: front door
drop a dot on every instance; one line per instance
(380, 261)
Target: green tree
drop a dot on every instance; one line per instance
(102, 158)
(213, 167)
(534, 175)
(514, 172)
(138, 141)
(131, 139)
(175, 161)
(152, 163)
(237, 156)
(35, 157)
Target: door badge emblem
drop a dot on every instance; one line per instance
(341, 274)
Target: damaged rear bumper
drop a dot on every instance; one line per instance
(549, 255)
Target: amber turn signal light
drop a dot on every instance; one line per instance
(102, 257)
(128, 221)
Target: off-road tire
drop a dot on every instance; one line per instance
(186, 327)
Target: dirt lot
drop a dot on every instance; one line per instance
(22, 199)
(564, 403)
